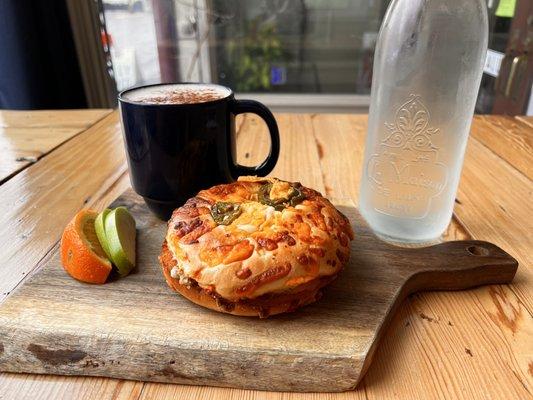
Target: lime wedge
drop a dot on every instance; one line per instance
(120, 235)
(99, 226)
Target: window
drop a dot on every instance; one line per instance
(274, 47)
(293, 55)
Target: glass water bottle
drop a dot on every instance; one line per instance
(427, 70)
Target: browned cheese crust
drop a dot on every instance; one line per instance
(256, 247)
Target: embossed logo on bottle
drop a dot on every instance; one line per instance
(404, 173)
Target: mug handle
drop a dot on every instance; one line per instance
(255, 107)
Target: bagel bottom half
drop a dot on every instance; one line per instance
(263, 306)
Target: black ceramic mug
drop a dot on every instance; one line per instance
(180, 138)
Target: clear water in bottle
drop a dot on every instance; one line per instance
(427, 70)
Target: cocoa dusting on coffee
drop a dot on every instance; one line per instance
(184, 97)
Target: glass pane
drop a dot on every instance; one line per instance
(298, 55)
(274, 46)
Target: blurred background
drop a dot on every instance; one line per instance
(293, 55)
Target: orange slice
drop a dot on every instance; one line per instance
(82, 255)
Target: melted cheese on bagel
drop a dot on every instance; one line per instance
(257, 236)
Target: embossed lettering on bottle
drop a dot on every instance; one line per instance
(405, 173)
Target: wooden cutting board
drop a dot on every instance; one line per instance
(137, 328)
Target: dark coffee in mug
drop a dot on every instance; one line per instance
(180, 138)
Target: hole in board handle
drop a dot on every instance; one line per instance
(477, 251)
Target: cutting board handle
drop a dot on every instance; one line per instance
(458, 265)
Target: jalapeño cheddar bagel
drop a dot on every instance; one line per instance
(255, 247)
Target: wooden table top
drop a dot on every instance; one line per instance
(475, 344)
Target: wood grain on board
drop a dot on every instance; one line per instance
(54, 324)
(26, 136)
(473, 344)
